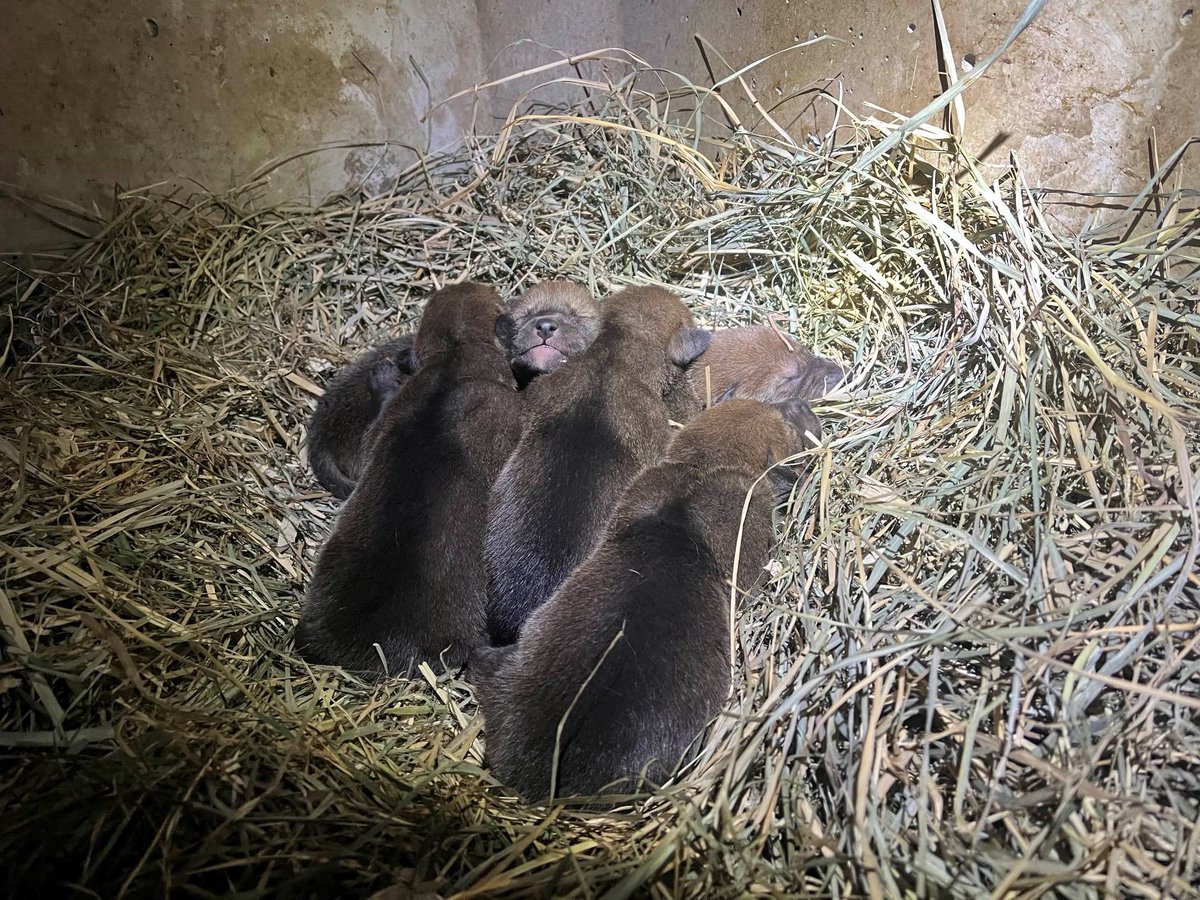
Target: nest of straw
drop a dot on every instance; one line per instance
(974, 668)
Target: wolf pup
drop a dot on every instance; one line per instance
(755, 362)
(589, 429)
(547, 325)
(338, 434)
(401, 579)
(625, 665)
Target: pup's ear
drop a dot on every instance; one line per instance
(687, 344)
(405, 359)
(729, 393)
(803, 420)
(506, 328)
(781, 478)
(807, 429)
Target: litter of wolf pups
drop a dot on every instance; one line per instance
(962, 659)
(405, 578)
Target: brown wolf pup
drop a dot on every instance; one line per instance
(623, 667)
(401, 578)
(752, 362)
(545, 326)
(590, 428)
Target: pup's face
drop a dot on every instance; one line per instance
(805, 377)
(753, 362)
(547, 325)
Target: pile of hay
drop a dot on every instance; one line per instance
(974, 669)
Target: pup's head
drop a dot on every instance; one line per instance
(388, 366)
(456, 315)
(649, 317)
(753, 362)
(545, 326)
(750, 435)
(651, 314)
(383, 379)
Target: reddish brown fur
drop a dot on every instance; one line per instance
(752, 362)
(630, 656)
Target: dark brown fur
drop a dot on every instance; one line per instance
(630, 655)
(338, 434)
(590, 428)
(752, 362)
(546, 325)
(404, 566)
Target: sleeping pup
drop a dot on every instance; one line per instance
(400, 580)
(590, 427)
(623, 667)
(755, 362)
(338, 436)
(545, 326)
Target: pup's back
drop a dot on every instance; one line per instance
(590, 428)
(635, 643)
(403, 568)
(755, 362)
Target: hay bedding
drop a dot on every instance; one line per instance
(975, 667)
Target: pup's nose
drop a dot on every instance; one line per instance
(545, 327)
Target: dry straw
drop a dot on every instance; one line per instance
(974, 670)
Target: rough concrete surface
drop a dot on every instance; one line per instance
(94, 94)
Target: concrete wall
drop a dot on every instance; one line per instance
(94, 94)
(1078, 97)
